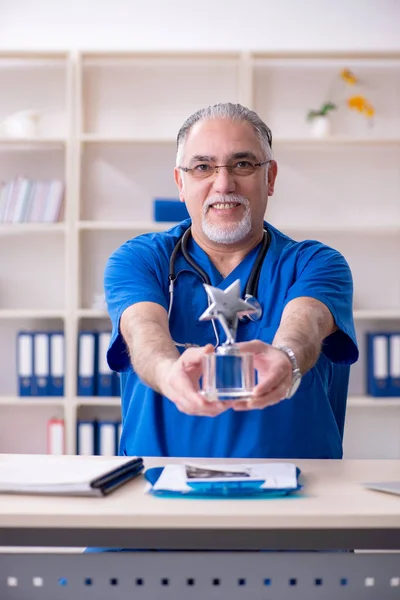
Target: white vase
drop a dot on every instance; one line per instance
(320, 127)
(23, 124)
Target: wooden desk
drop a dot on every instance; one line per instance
(333, 511)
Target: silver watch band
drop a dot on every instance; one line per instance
(290, 354)
(296, 373)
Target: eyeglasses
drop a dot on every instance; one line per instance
(240, 168)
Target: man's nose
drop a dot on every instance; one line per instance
(224, 182)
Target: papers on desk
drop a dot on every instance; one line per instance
(390, 487)
(66, 475)
(236, 480)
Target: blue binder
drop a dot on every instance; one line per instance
(394, 361)
(104, 373)
(41, 367)
(107, 438)
(378, 382)
(86, 437)
(87, 359)
(57, 363)
(25, 363)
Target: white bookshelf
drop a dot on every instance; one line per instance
(109, 132)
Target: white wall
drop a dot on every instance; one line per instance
(200, 24)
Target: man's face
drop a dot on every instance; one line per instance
(225, 207)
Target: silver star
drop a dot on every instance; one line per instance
(226, 306)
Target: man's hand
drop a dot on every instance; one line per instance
(179, 381)
(274, 376)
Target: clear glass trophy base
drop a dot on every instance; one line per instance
(228, 375)
(227, 394)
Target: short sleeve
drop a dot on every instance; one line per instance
(132, 275)
(324, 274)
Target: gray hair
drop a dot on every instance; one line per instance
(235, 112)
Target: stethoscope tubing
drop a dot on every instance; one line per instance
(251, 286)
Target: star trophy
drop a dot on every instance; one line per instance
(228, 373)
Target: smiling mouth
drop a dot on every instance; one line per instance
(225, 205)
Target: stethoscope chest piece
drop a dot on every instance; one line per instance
(255, 316)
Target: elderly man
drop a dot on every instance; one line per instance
(303, 342)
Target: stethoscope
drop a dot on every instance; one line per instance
(251, 286)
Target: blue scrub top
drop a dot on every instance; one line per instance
(309, 425)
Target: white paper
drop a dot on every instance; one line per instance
(275, 475)
(49, 473)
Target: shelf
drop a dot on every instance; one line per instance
(97, 401)
(313, 229)
(37, 143)
(91, 313)
(93, 138)
(372, 402)
(22, 313)
(32, 401)
(379, 314)
(295, 141)
(29, 56)
(336, 140)
(115, 150)
(352, 402)
(156, 58)
(140, 226)
(15, 228)
(306, 57)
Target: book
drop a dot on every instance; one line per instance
(66, 475)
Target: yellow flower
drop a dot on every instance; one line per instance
(348, 76)
(362, 105)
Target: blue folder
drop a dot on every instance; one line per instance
(220, 489)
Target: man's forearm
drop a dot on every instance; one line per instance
(151, 348)
(304, 325)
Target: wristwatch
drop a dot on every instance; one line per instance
(296, 374)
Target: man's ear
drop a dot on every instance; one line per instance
(179, 183)
(272, 173)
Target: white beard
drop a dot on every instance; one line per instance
(229, 233)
